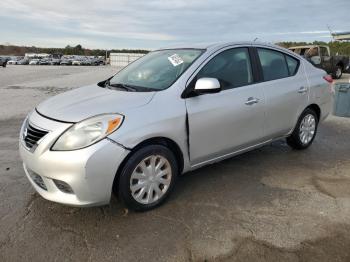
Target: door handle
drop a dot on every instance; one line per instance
(251, 101)
(302, 90)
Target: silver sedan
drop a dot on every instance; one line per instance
(171, 111)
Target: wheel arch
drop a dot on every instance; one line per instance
(169, 143)
(341, 64)
(317, 110)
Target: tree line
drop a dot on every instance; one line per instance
(68, 50)
(342, 48)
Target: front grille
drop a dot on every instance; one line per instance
(32, 135)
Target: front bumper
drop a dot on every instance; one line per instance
(89, 172)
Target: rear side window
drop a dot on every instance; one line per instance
(292, 65)
(231, 67)
(273, 64)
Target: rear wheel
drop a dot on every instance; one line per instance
(338, 72)
(305, 130)
(147, 178)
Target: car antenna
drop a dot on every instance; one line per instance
(256, 38)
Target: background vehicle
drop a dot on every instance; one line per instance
(215, 102)
(3, 61)
(44, 61)
(24, 61)
(34, 61)
(65, 61)
(77, 61)
(86, 62)
(14, 60)
(97, 61)
(321, 57)
(54, 61)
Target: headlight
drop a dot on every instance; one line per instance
(88, 132)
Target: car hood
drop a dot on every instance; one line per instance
(81, 103)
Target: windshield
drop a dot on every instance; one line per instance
(155, 71)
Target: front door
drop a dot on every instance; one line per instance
(232, 119)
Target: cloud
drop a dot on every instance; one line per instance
(154, 23)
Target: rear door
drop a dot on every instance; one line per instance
(232, 119)
(286, 90)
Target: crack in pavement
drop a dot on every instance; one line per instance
(29, 205)
(252, 249)
(333, 187)
(177, 221)
(81, 235)
(23, 219)
(48, 89)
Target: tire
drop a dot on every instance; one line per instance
(338, 72)
(133, 175)
(301, 140)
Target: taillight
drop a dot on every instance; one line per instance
(328, 78)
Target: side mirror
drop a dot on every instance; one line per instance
(207, 85)
(316, 60)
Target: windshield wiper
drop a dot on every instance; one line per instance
(120, 86)
(129, 87)
(141, 88)
(145, 89)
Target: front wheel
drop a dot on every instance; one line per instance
(305, 130)
(147, 178)
(338, 72)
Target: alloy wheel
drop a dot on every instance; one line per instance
(338, 72)
(307, 129)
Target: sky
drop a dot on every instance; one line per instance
(151, 24)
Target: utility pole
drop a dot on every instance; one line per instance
(330, 31)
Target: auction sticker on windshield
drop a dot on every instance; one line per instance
(175, 59)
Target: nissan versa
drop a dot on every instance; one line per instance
(167, 113)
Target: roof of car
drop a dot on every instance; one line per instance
(217, 45)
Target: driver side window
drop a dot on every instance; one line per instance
(231, 67)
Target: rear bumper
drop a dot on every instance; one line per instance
(326, 107)
(88, 172)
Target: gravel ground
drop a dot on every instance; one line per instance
(271, 204)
